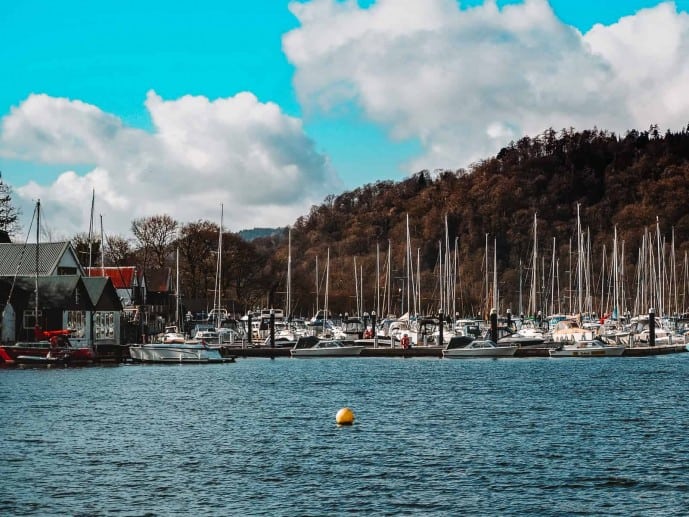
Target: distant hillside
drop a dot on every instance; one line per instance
(258, 233)
(622, 182)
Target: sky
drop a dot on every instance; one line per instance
(266, 107)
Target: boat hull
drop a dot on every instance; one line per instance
(467, 353)
(345, 351)
(608, 351)
(41, 352)
(176, 353)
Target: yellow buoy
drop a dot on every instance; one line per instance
(345, 416)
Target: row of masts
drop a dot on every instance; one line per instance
(657, 282)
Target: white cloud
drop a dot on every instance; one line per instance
(649, 54)
(466, 82)
(239, 152)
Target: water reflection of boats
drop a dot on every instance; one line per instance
(311, 346)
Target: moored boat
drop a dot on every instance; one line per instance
(587, 348)
(464, 347)
(51, 346)
(176, 353)
(314, 347)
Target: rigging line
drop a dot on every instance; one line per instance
(19, 262)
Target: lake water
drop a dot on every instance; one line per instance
(431, 437)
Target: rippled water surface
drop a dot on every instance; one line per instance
(444, 437)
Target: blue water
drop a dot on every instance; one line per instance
(431, 437)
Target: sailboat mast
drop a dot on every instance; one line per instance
(289, 274)
(377, 304)
(495, 275)
(580, 260)
(93, 198)
(102, 248)
(219, 286)
(38, 231)
(486, 307)
(552, 281)
(327, 282)
(533, 304)
(177, 287)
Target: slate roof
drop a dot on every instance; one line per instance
(159, 280)
(66, 292)
(13, 255)
(102, 293)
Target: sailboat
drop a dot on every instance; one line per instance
(176, 349)
(172, 334)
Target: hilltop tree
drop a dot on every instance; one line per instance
(9, 214)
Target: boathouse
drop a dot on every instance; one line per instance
(51, 276)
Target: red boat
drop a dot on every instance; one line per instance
(50, 346)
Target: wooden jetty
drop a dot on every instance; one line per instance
(434, 351)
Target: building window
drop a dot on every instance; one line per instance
(30, 318)
(66, 271)
(104, 325)
(76, 322)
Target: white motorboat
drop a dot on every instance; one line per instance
(176, 353)
(171, 334)
(587, 348)
(314, 347)
(460, 348)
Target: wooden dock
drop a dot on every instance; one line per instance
(434, 351)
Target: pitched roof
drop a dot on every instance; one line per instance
(103, 294)
(159, 280)
(66, 292)
(20, 259)
(123, 277)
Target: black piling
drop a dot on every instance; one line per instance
(440, 329)
(494, 325)
(249, 330)
(651, 327)
(272, 328)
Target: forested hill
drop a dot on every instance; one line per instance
(628, 182)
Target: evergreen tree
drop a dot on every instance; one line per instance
(9, 215)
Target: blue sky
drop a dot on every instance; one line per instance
(138, 100)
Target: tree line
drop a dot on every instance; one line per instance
(625, 182)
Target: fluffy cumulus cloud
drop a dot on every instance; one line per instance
(246, 155)
(465, 82)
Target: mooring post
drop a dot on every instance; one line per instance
(509, 318)
(440, 329)
(373, 329)
(494, 325)
(249, 330)
(651, 327)
(272, 328)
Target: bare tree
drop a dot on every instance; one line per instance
(154, 235)
(9, 215)
(118, 251)
(87, 252)
(198, 244)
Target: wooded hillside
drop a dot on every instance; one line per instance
(627, 182)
